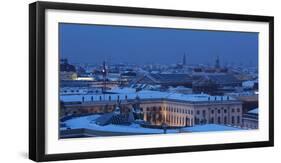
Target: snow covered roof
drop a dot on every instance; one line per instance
(179, 88)
(249, 83)
(157, 78)
(144, 94)
(122, 90)
(171, 77)
(254, 111)
(223, 78)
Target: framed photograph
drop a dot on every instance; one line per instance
(109, 81)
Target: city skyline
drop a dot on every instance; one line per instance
(138, 45)
(148, 93)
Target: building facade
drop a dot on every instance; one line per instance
(251, 119)
(176, 110)
(179, 113)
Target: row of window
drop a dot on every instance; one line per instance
(180, 120)
(187, 111)
(72, 91)
(218, 111)
(176, 110)
(219, 120)
(252, 126)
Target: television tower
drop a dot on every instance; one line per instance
(104, 74)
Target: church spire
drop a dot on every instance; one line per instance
(184, 59)
(217, 64)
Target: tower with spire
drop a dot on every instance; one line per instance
(217, 64)
(184, 59)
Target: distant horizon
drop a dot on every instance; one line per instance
(170, 64)
(93, 44)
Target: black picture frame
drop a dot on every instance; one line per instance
(37, 80)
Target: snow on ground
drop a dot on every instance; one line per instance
(210, 127)
(80, 122)
(88, 122)
(134, 128)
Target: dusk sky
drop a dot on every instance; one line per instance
(137, 45)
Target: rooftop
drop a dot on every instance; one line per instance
(130, 94)
(254, 111)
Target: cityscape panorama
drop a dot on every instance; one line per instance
(122, 80)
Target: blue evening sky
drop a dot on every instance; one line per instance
(82, 43)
